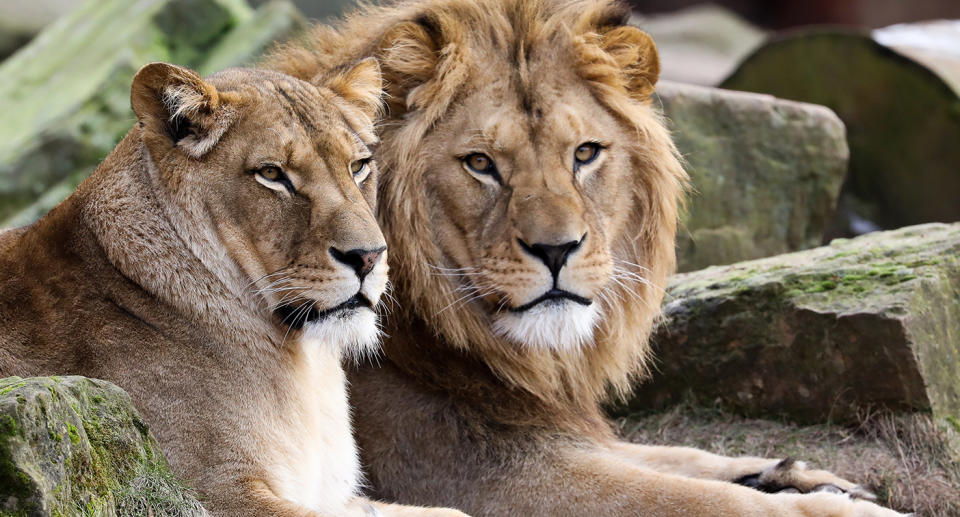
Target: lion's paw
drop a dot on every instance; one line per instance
(868, 509)
(791, 476)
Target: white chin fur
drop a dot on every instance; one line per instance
(355, 333)
(550, 326)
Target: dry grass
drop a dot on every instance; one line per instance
(910, 462)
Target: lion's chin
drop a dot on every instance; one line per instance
(558, 325)
(353, 332)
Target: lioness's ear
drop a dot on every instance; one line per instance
(621, 57)
(361, 86)
(177, 103)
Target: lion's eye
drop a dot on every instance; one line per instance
(271, 173)
(481, 164)
(272, 177)
(360, 169)
(586, 153)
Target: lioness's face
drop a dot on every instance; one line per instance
(289, 188)
(527, 187)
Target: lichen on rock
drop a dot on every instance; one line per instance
(76, 446)
(821, 334)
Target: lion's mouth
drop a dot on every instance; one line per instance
(552, 296)
(296, 316)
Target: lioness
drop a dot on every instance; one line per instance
(216, 266)
(530, 196)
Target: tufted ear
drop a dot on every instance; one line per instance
(423, 66)
(621, 56)
(177, 104)
(636, 54)
(361, 86)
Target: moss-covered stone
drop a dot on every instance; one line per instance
(75, 446)
(901, 107)
(65, 97)
(819, 334)
(766, 172)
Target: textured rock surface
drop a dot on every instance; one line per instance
(819, 334)
(65, 97)
(76, 446)
(766, 172)
(902, 113)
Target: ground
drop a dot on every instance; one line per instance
(910, 462)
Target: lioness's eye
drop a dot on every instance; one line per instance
(586, 153)
(273, 177)
(360, 169)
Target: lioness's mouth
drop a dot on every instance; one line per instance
(553, 295)
(296, 316)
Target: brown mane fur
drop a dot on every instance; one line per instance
(423, 85)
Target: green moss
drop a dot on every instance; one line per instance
(74, 434)
(7, 389)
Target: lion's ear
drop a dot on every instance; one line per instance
(630, 51)
(421, 66)
(178, 104)
(361, 86)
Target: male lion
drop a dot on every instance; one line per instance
(530, 196)
(216, 266)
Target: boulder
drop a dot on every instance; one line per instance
(898, 92)
(822, 334)
(76, 446)
(65, 98)
(701, 44)
(765, 172)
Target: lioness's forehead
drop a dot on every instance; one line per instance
(296, 112)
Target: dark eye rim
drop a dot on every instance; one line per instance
(597, 149)
(491, 169)
(282, 177)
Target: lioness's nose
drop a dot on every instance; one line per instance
(553, 255)
(360, 260)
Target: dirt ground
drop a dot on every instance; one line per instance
(909, 461)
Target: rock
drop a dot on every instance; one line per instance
(76, 446)
(701, 44)
(900, 101)
(766, 172)
(274, 21)
(872, 322)
(20, 21)
(65, 98)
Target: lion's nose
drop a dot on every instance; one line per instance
(360, 260)
(553, 255)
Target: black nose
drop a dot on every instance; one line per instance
(362, 261)
(553, 255)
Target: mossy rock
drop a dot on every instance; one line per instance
(902, 112)
(822, 334)
(765, 172)
(76, 446)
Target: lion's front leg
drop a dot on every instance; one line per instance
(378, 509)
(765, 474)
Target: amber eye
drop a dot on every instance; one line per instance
(479, 162)
(272, 177)
(360, 169)
(271, 173)
(586, 153)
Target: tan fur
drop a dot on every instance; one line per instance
(467, 410)
(162, 273)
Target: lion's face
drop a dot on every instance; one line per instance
(529, 193)
(288, 189)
